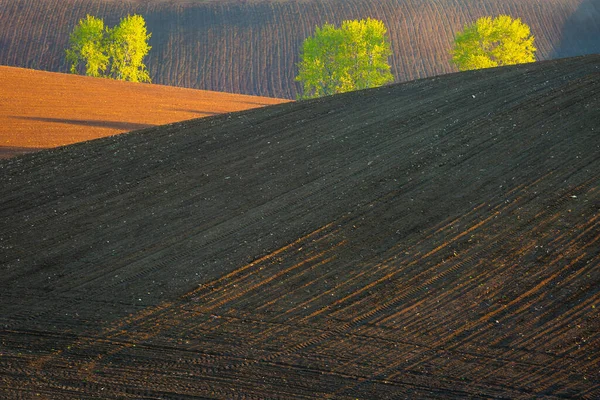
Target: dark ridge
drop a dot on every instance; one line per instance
(434, 239)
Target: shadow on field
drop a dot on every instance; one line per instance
(125, 126)
(11, 151)
(199, 112)
(257, 103)
(581, 33)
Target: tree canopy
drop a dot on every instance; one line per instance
(127, 49)
(88, 45)
(352, 57)
(492, 43)
(116, 53)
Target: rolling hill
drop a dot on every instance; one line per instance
(433, 239)
(252, 47)
(43, 109)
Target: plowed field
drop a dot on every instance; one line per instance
(434, 239)
(42, 109)
(253, 47)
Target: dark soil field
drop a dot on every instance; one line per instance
(434, 239)
(253, 46)
(42, 109)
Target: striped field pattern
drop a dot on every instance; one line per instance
(433, 239)
(252, 47)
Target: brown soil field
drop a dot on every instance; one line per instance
(433, 239)
(43, 109)
(252, 47)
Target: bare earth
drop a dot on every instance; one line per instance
(43, 109)
(434, 239)
(253, 46)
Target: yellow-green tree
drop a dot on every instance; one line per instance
(352, 57)
(87, 45)
(116, 53)
(492, 43)
(128, 45)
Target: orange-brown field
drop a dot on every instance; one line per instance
(43, 109)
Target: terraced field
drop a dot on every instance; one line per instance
(434, 239)
(40, 109)
(252, 47)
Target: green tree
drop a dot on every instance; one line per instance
(116, 53)
(352, 57)
(321, 68)
(128, 45)
(87, 45)
(492, 43)
(369, 49)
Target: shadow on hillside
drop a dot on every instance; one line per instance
(256, 103)
(203, 113)
(10, 151)
(125, 126)
(581, 33)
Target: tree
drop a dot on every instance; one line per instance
(116, 53)
(352, 57)
(492, 43)
(88, 45)
(127, 49)
(370, 49)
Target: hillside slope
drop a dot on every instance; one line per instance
(42, 109)
(435, 239)
(252, 47)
